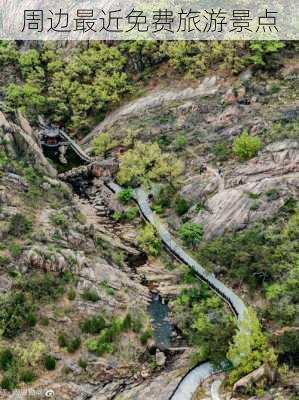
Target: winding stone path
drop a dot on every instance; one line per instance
(190, 382)
(237, 305)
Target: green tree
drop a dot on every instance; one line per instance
(145, 163)
(181, 205)
(246, 146)
(249, 348)
(28, 98)
(102, 144)
(191, 233)
(125, 195)
(263, 49)
(148, 240)
(8, 53)
(31, 67)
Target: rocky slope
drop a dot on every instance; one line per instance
(82, 264)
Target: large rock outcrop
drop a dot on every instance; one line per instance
(252, 191)
(20, 139)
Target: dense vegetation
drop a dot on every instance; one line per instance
(191, 233)
(77, 88)
(249, 348)
(109, 333)
(146, 163)
(204, 320)
(19, 307)
(264, 257)
(149, 241)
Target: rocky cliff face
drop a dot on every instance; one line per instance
(248, 192)
(18, 139)
(72, 263)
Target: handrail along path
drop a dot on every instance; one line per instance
(188, 384)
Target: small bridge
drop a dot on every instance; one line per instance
(54, 139)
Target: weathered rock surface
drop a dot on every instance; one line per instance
(153, 101)
(252, 191)
(21, 139)
(261, 373)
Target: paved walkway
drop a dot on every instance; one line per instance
(190, 382)
(215, 389)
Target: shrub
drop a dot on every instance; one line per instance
(221, 151)
(31, 319)
(117, 216)
(31, 355)
(163, 140)
(94, 324)
(211, 329)
(6, 359)
(9, 382)
(71, 294)
(82, 363)
(43, 286)
(283, 129)
(181, 205)
(131, 214)
(180, 142)
(15, 249)
(90, 295)
(102, 144)
(59, 219)
(127, 322)
(17, 313)
(45, 321)
(27, 376)
(62, 340)
(197, 57)
(191, 233)
(262, 50)
(246, 147)
(149, 241)
(163, 198)
(272, 194)
(145, 336)
(125, 195)
(288, 347)
(100, 347)
(49, 362)
(249, 348)
(3, 160)
(137, 324)
(4, 260)
(262, 256)
(19, 225)
(73, 344)
(275, 88)
(200, 207)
